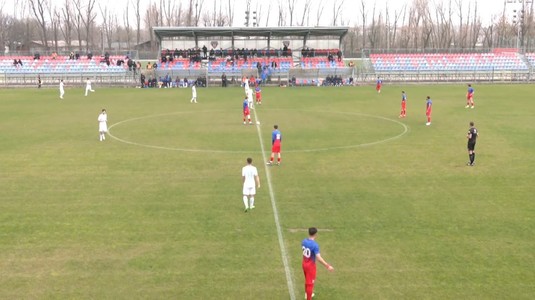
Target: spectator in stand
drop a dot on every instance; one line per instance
(77, 56)
(274, 64)
(149, 66)
(339, 54)
(330, 57)
(54, 55)
(176, 53)
(351, 64)
(15, 62)
(71, 56)
(142, 79)
(89, 55)
(20, 62)
(155, 66)
(204, 51)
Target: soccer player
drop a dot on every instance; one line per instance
(403, 112)
(428, 109)
(258, 94)
(249, 94)
(245, 82)
(276, 139)
(249, 175)
(88, 86)
(379, 85)
(61, 89)
(39, 81)
(470, 97)
(311, 253)
(193, 93)
(472, 136)
(102, 124)
(246, 111)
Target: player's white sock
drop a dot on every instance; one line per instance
(246, 202)
(104, 136)
(100, 137)
(251, 201)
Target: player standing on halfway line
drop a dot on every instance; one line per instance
(246, 112)
(276, 139)
(88, 87)
(470, 97)
(249, 94)
(428, 110)
(249, 175)
(102, 124)
(61, 89)
(379, 85)
(472, 136)
(403, 112)
(311, 253)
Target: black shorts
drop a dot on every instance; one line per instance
(471, 146)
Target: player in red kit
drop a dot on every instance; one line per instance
(403, 112)
(311, 253)
(470, 97)
(258, 94)
(428, 109)
(276, 139)
(379, 85)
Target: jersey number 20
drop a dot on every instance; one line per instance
(306, 252)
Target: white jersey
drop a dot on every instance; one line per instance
(249, 95)
(102, 122)
(193, 91)
(61, 86)
(246, 85)
(88, 84)
(250, 172)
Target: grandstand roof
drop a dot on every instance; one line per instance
(166, 32)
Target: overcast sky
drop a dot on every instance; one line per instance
(349, 15)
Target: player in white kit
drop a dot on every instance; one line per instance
(193, 94)
(88, 86)
(103, 124)
(249, 93)
(249, 174)
(61, 89)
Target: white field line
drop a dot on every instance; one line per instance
(284, 252)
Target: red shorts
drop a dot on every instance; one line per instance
(246, 112)
(310, 272)
(428, 113)
(403, 104)
(258, 97)
(378, 87)
(469, 96)
(276, 148)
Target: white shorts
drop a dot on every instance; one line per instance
(249, 190)
(102, 127)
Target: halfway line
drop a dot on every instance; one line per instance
(284, 253)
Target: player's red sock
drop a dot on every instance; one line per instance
(279, 160)
(429, 119)
(309, 288)
(271, 159)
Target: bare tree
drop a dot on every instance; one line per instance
(126, 22)
(109, 24)
(306, 12)
(55, 22)
(337, 10)
(281, 14)
(137, 12)
(268, 14)
(363, 13)
(67, 23)
(319, 12)
(231, 11)
(39, 9)
(86, 12)
(291, 8)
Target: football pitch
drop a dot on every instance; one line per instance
(156, 211)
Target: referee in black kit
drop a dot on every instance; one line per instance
(472, 136)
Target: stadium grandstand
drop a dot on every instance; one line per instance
(308, 55)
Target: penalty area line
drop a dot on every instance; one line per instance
(284, 252)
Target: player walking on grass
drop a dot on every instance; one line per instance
(103, 124)
(378, 85)
(249, 94)
(249, 175)
(193, 93)
(472, 136)
(276, 139)
(311, 253)
(246, 112)
(61, 89)
(403, 112)
(88, 86)
(428, 110)
(470, 97)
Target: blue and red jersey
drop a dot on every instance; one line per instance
(310, 250)
(470, 90)
(428, 105)
(276, 136)
(245, 105)
(403, 97)
(379, 82)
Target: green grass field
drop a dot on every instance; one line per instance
(161, 217)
